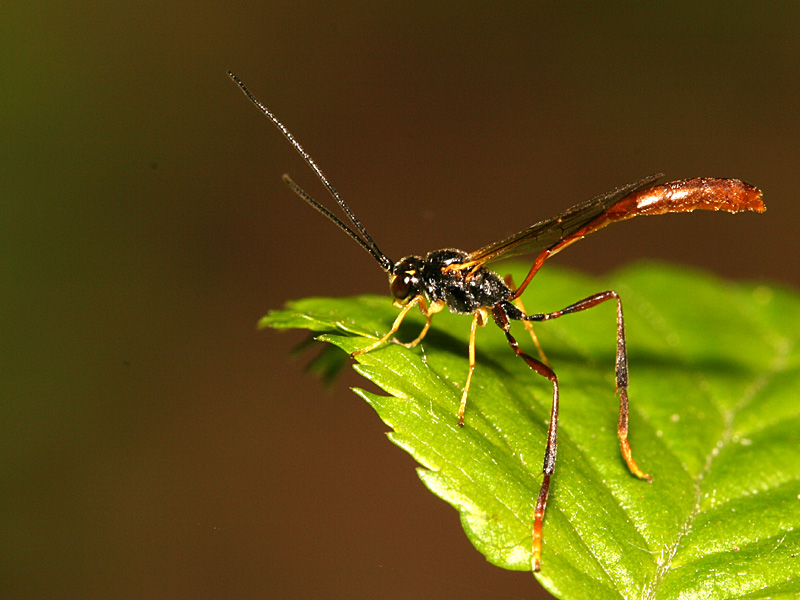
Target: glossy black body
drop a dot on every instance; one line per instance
(463, 291)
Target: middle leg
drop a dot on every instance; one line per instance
(502, 320)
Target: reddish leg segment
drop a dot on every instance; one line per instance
(509, 280)
(503, 313)
(501, 318)
(621, 368)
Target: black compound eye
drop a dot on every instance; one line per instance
(401, 286)
(406, 277)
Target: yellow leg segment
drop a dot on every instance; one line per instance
(422, 333)
(478, 319)
(395, 327)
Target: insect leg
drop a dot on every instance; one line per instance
(479, 319)
(502, 320)
(428, 312)
(621, 368)
(395, 326)
(509, 280)
(537, 264)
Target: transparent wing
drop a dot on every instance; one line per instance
(549, 233)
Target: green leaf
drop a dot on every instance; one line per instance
(715, 416)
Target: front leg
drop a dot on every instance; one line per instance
(395, 326)
(426, 310)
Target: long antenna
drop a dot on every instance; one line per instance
(367, 242)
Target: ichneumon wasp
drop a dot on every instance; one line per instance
(461, 282)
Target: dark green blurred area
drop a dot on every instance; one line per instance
(153, 444)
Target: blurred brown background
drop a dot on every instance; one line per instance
(153, 444)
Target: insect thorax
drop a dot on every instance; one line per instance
(463, 291)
